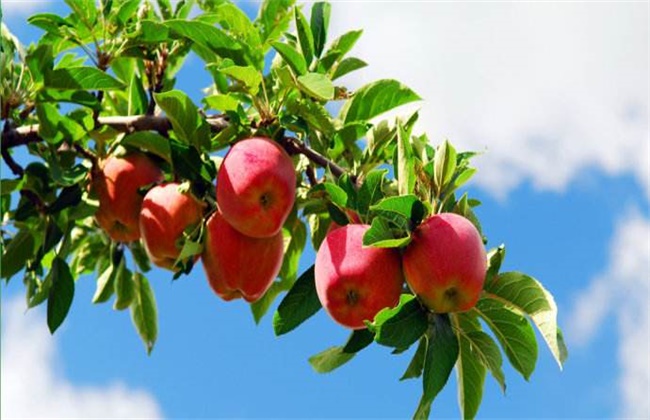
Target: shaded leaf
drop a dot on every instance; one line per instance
(348, 65)
(143, 311)
(401, 326)
(300, 303)
(81, 78)
(330, 359)
(60, 295)
(292, 57)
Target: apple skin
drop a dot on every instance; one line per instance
(116, 183)
(445, 263)
(165, 214)
(236, 265)
(354, 283)
(256, 187)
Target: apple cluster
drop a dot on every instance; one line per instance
(243, 246)
(444, 264)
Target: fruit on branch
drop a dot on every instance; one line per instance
(256, 187)
(117, 182)
(166, 214)
(445, 263)
(237, 265)
(354, 283)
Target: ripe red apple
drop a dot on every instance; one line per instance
(166, 214)
(116, 183)
(237, 265)
(256, 187)
(354, 283)
(445, 264)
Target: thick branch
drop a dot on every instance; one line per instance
(13, 137)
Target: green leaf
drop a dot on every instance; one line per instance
(343, 44)
(495, 258)
(444, 165)
(330, 359)
(397, 205)
(124, 287)
(292, 57)
(336, 194)
(376, 98)
(274, 17)
(359, 340)
(295, 229)
(316, 85)
(138, 102)
(298, 305)
(470, 373)
(401, 326)
(143, 311)
(49, 22)
(482, 346)
(17, 252)
(248, 75)
(81, 78)
(370, 191)
(415, 367)
(320, 19)
(405, 162)
(305, 38)
(380, 235)
(348, 65)
(210, 37)
(60, 295)
(222, 103)
(461, 178)
(140, 256)
(531, 298)
(106, 284)
(80, 97)
(315, 114)
(149, 141)
(186, 121)
(440, 358)
(261, 306)
(513, 331)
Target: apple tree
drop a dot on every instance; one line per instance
(109, 170)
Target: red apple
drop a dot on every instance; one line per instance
(166, 214)
(116, 183)
(355, 282)
(445, 263)
(237, 265)
(256, 187)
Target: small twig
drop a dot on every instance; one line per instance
(311, 175)
(16, 169)
(295, 146)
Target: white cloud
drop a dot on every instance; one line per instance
(622, 291)
(15, 8)
(548, 88)
(34, 387)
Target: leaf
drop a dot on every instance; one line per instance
(274, 18)
(315, 114)
(138, 102)
(343, 44)
(320, 19)
(60, 295)
(80, 97)
(440, 358)
(335, 193)
(298, 305)
(529, 296)
(330, 359)
(514, 333)
(380, 235)
(248, 75)
(186, 121)
(482, 346)
(370, 191)
(221, 102)
(376, 98)
(17, 252)
(144, 313)
(495, 258)
(405, 162)
(397, 205)
(81, 78)
(359, 340)
(316, 85)
(210, 37)
(401, 326)
(105, 285)
(348, 65)
(471, 379)
(261, 306)
(415, 367)
(444, 165)
(305, 38)
(292, 57)
(124, 286)
(149, 141)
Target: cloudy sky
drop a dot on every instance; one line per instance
(554, 93)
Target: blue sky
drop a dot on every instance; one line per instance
(556, 94)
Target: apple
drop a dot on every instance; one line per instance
(354, 282)
(445, 263)
(256, 187)
(116, 182)
(166, 213)
(239, 266)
